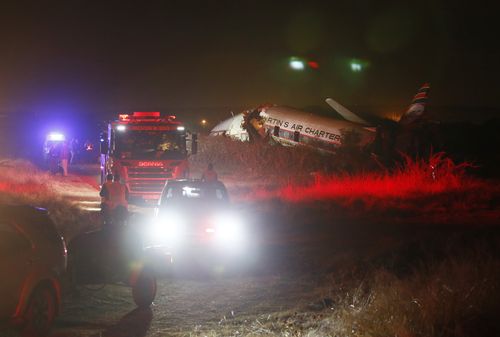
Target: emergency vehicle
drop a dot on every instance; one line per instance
(53, 139)
(146, 149)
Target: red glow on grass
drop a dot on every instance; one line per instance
(23, 189)
(415, 178)
(433, 185)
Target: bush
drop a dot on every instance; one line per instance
(272, 163)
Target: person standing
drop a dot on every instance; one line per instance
(53, 158)
(209, 175)
(65, 156)
(75, 150)
(114, 202)
(105, 199)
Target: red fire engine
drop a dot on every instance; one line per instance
(146, 149)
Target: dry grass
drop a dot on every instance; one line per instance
(306, 174)
(435, 185)
(21, 182)
(261, 161)
(455, 296)
(436, 175)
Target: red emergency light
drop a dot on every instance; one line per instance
(123, 117)
(145, 117)
(155, 114)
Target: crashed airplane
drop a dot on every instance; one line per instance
(289, 126)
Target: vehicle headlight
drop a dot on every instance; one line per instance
(229, 228)
(167, 227)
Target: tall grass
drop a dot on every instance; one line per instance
(298, 174)
(270, 163)
(453, 297)
(21, 182)
(434, 175)
(432, 184)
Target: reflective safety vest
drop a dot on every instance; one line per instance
(117, 194)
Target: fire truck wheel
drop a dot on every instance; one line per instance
(144, 289)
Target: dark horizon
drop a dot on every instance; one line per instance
(76, 58)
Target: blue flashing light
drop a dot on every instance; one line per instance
(56, 137)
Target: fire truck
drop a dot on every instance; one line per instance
(146, 149)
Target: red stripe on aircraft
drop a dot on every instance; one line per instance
(420, 95)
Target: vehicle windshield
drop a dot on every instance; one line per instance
(150, 145)
(194, 194)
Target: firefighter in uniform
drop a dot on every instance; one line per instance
(114, 200)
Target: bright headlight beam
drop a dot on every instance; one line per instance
(167, 227)
(229, 228)
(121, 128)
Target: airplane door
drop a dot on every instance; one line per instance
(15, 266)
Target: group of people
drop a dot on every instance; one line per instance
(114, 196)
(61, 154)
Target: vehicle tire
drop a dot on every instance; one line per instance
(144, 289)
(40, 312)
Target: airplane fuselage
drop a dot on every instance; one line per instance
(293, 127)
(289, 126)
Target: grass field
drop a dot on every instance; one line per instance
(21, 182)
(429, 187)
(440, 278)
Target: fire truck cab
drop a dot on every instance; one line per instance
(146, 149)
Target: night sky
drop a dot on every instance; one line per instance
(82, 57)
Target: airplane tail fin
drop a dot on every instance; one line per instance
(417, 107)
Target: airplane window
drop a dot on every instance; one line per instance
(276, 131)
(296, 136)
(284, 134)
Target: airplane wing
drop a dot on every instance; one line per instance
(346, 113)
